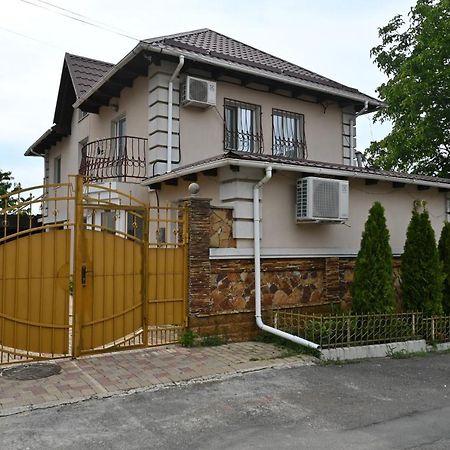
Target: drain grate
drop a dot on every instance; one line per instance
(31, 371)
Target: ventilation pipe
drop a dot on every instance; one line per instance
(257, 250)
(170, 114)
(352, 136)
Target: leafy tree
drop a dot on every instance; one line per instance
(444, 253)
(6, 182)
(415, 57)
(421, 269)
(7, 186)
(372, 288)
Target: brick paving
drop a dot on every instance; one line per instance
(130, 371)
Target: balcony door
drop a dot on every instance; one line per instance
(120, 147)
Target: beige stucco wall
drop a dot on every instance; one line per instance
(281, 230)
(281, 235)
(201, 130)
(132, 104)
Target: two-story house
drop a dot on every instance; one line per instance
(202, 107)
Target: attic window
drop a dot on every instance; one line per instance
(81, 115)
(242, 127)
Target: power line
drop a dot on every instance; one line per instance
(94, 21)
(90, 22)
(31, 38)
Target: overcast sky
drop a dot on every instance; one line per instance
(331, 37)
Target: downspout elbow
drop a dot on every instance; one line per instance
(257, 256)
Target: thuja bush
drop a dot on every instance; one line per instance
(444, 254)
(421, 271)
(373, 288)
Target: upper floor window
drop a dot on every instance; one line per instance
(288, 134)
(57, 170)
(242, 127)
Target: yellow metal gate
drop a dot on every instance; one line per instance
(85, 268)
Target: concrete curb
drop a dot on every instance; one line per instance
(373, 351)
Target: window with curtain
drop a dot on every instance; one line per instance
(242, 127)
(288, 134)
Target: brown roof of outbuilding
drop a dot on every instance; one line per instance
(220, 47)
(85, 72)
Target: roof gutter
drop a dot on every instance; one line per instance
(289, 168)
(199, 58)
(30, 151)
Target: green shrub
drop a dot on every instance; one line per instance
(421, 271)
(187, 338)
(373, 288)
(212, 341)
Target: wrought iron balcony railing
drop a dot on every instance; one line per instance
(120, 158)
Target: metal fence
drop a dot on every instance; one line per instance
(332, 331)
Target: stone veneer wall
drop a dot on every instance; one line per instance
(222, 291)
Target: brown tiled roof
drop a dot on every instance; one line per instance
(85, 72)
(401, 177)
(220, 47)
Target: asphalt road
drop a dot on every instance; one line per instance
(377, 404)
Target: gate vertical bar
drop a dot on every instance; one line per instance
(145, 277)
(78, 267)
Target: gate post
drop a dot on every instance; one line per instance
(78, 268)
(199, 265)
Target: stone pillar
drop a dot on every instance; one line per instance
(332, 282)
(199, 266)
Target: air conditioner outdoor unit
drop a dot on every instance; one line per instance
(198, 92)
(322, 200)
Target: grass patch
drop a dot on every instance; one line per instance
(211, 341)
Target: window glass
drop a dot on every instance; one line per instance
(57, 170)
(242, 127)
(288, 137)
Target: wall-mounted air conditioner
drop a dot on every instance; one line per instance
(198, 92)
(321, 200)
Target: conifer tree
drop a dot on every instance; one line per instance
(372, 288)
(421, 269)
(444, 254)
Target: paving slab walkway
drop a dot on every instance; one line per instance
(131, 371)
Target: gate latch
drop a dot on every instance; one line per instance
(83, 275)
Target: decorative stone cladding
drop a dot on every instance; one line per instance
(222, 291)
(221, 228)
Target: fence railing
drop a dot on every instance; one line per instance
(346, 330)
(120, 158)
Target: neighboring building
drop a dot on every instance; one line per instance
(220, 112)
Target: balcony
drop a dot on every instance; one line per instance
(120, 158)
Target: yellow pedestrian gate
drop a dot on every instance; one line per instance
(85, 268)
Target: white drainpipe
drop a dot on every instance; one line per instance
(257, 248)
(170, 114)
(352, 124)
